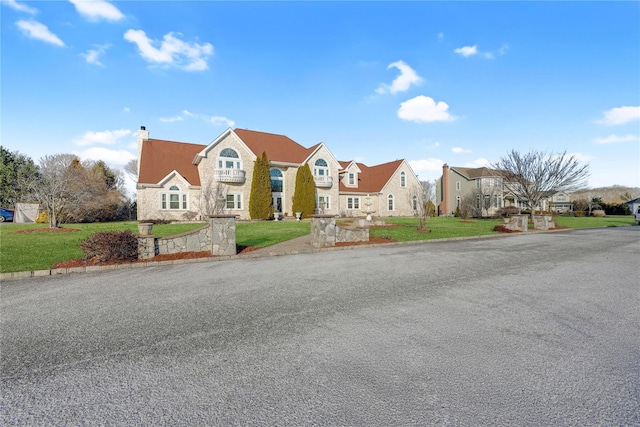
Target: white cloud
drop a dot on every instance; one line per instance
(126, 110)
(460, 150)
(403, 82)
(35, 30)
(424, 109)
(612, 139)
(110, 157)
(581, 157)
(619, 116)
(20, 7)
(426, 165)
(171, 119)
(107, 137)
(467, 50)
(172, 51)
(92, 56)
(218, 120)
(478, 163)
(95, 10)
(440, 36)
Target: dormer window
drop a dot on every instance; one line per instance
(352, 178)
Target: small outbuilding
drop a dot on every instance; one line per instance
(26, 213)
(634, 205)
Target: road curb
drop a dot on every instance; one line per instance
(261, 253)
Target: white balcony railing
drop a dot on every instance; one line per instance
(323, 181)
(229, 175)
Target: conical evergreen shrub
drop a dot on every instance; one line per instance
(261, 202)
(304, 196)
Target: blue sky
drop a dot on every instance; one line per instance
(432, 82)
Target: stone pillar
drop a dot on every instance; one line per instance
(522, 221)
(543, 222)
(146, 247)
(323, 230)
(223, 234)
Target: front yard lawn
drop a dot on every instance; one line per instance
(26, 247)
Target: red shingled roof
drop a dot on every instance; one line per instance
(159, 158)
(371, 179)
(279, 148)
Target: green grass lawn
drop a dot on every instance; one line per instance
(39, 251)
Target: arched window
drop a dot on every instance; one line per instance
(390, 204)
(321, 168)
(229, 159)
(174, 199)
(415, 203)
(403, 179)
(276, 180)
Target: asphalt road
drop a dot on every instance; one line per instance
(540, 329)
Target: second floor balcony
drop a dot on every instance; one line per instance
(324, 181)
(229, 175)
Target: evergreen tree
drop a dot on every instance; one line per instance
(261, 202)
(304, 196)
(15, 170)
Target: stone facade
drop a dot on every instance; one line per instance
(222, 184)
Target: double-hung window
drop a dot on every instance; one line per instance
(234, 201)
(353, 202)
(174, 199)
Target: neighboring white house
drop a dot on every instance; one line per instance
(183, 181)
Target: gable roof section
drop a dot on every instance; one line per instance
(159, 158)
(475, 173)
(279, 148)
(372, 179)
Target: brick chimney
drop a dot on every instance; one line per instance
(445, 208)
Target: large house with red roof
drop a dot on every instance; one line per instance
(183, 181)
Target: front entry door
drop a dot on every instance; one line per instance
(277, 203)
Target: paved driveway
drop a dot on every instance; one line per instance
(537, 329)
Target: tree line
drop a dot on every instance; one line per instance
(67, 189)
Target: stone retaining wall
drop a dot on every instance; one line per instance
(219, 237)
(325, 232)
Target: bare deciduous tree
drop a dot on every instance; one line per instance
(131, 169)
(52, 187)
(421, 199)
(536, 175)
(213, 198)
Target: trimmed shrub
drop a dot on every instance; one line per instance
(598, 213)
(261, 201)
(304, 196)
(111, 246)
